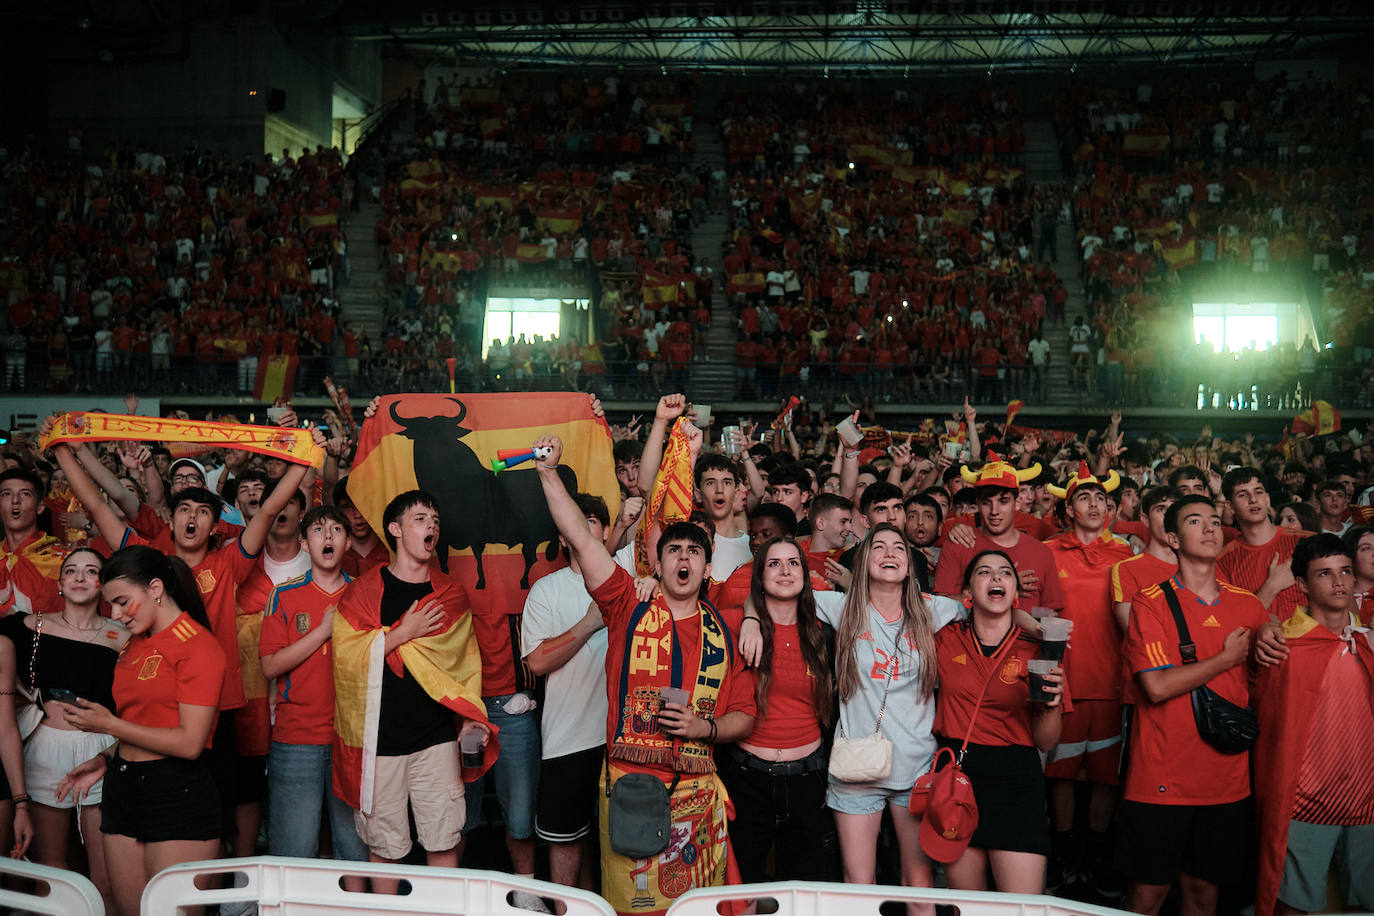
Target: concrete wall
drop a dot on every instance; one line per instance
(199, 84)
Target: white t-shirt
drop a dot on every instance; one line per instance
(728, 555)
(1039, 351)
(297, 566)
(574, 717)
(909, 717)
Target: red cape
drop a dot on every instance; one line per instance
(1283, 699)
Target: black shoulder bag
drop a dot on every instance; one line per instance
(1228, 728)
(639, 812)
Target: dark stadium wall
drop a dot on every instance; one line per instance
(214, 87)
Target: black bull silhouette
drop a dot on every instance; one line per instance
(478, 507)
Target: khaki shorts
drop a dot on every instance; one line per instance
(429, 782)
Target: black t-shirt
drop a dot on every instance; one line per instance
(411, 719)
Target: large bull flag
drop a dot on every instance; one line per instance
(496, 535)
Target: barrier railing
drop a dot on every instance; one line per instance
(810, 898)
(55, 892)
(295, 887)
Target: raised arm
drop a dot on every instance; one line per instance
(105, 480)
(110, 526)
(255, 535)
(670, 407)
(597, 564)
(975, 448)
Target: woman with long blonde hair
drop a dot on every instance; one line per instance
(885, 666)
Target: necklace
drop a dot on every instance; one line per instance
(95, 629)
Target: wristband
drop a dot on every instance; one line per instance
(754, 619)
(22, 799)
(711, 739)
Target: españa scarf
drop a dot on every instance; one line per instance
(671, 498)
(653, 634)
(33, 568)
(1283, 700)
(293, 445)
(446, 664)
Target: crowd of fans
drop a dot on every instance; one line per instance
(142, 267)
(1259, 185)
(812, 548)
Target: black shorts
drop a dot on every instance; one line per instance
(222, 758)
(566, 807)
(1155, 843)
(250, 778)
(1009, 786)
(158, 800)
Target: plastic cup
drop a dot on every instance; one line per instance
(674, 695)
(1040, 613)
(1054, 637)
(727, 439)
(1039, 667)
(849, 432)
(471, 745)
(702, 417)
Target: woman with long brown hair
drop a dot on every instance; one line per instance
(885, 674)
(776, 775)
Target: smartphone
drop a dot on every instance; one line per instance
(62, 695)
(274, 414)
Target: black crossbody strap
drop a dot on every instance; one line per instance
(1187, 649)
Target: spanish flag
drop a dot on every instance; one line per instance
(531, 253)
(492, 128)
(276, 377)
(558, 221)
(446, 664)
(750, 282)
(659, 289)
(322, 219)
(1318, 420)
(669, 501)
(1182, 253)
(1145, 143)
(444, 444)
(1013, 408)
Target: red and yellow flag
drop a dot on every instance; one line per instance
(659, 289)
(750, 282)
(531, 253)
(558, 221)
(496, 535)
(276, 377)
(1318, 420)
(1145, 143)
(671, 498)
(1013, 408)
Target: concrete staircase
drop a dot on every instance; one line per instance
(713, 372)
(363, 298)
(1044, 165)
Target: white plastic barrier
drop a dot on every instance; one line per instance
(56, 892)
(303, 887)
(810, 898)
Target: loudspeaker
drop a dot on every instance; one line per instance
(276, 100)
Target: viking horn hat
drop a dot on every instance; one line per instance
(998, 473)
(1084, 477)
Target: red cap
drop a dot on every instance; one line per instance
(951, 815)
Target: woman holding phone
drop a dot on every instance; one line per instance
(160, 806)
(989, 656)
(67, 653)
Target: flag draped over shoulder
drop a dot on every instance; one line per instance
(1283, 698)
(496, 535)
(446, 664)
(294, 445)
(671, 498)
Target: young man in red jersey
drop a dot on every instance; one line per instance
(1186, 806)
(1258, 560)
(1150, 567)
(1316, 713)
(295, 654)
(1090, 740)
(996, 484)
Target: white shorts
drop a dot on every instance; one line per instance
(50, 754)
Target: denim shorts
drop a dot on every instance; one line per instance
(515, 773)
(859, 798)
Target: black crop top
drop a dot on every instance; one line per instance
(84, 668)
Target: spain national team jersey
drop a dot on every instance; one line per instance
(182, 663)
(218, 577)
(355, 564)
(1170, 764)
(1137, 572)
(1085, 575)
(304, 708)
(1005, 716)
(1246, 566)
